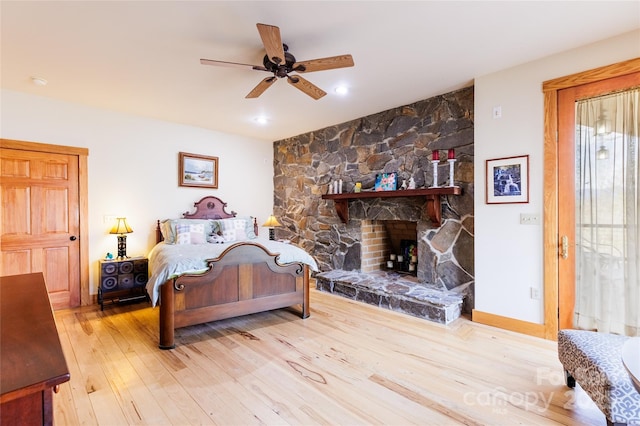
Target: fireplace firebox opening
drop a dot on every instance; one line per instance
(389, 245)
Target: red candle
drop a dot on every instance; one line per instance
(452, 154)
(435, 156)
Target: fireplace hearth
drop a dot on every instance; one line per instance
(396, 292)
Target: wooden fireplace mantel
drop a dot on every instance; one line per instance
(434, 209)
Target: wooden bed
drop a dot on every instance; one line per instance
(244, 279)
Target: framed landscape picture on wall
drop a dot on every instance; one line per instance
(197, 170)
(508, 180)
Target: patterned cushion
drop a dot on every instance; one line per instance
(169, 227)
(594, 360)
(190, 234)
(236, 229)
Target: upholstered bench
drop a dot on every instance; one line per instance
(594, 360)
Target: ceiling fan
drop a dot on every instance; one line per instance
(281, 63)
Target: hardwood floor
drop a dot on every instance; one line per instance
(348, 363)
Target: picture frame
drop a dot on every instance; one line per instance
(507, 180)
(386, 182)
(196, 170)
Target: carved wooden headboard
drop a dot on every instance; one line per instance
(207, 208)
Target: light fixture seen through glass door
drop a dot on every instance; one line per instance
(602, 153)
(603, 128)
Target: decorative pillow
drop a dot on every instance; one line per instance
(216, 239)
(236, 229)
(169, 233)
(190, 234)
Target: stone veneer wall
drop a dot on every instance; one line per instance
(397, 140)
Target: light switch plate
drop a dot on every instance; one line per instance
(529, 219)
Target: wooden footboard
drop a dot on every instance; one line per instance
(244, 279)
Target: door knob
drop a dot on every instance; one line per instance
(73, 238)
(564, 252)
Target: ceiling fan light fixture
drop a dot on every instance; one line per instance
(280, 62)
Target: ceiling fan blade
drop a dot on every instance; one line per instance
(307, 87)
(231, 64)
(272, 42)
(261, 87)
(322, 64)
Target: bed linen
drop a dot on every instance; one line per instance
(170, 260)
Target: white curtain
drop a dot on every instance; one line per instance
(607, 214)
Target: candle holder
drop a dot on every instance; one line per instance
(435, 174)
(451, 161)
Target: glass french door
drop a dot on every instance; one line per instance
(598, 181)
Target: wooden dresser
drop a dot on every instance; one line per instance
(32, 364)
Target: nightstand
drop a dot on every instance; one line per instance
(123, 280)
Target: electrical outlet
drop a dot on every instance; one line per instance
(529, 219)
(535, 293)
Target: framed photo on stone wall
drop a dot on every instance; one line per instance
(507, 180)
(197, 170)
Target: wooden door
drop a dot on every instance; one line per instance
(40, 226)
(566, 187)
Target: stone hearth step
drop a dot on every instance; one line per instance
(394, 291)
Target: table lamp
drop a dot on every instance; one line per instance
(271, 223)
(121, 228)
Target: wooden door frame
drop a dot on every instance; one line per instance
(550, 89)
(83, 205)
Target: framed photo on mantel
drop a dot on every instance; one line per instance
(197, 170)
(386, 182)
(508, 180)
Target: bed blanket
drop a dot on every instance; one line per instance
(170, 260)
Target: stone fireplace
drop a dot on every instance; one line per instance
(352, 253)
(440, 290)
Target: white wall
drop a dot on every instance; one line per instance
(133, 166)
(508, 256)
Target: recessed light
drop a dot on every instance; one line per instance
(38, 81)
(261, 120)
(341, 90)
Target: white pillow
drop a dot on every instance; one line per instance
(236, 229)
(190, 234)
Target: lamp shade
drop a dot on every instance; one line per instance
(121, 227)
(272, 222)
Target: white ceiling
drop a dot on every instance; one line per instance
(142, 57)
